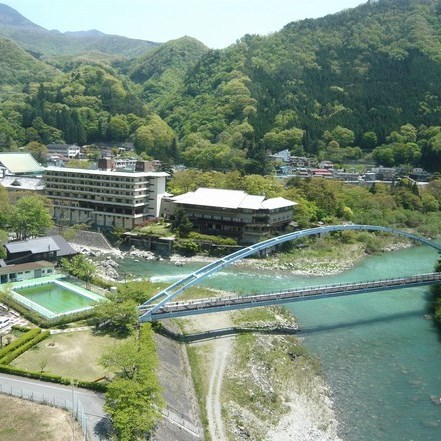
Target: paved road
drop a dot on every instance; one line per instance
(62, 396)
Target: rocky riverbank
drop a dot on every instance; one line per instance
(259, 383)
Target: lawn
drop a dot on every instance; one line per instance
(159, 229)
(26, 421)
(73, 354)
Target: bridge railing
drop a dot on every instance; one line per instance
(300, 292)
(177, 288)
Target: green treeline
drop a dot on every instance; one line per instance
(402, 205)
(360, 83)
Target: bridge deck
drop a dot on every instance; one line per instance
(150, 308)
(180, 309)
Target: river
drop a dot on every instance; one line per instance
(379, 354)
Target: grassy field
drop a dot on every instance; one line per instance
(26, 421)
(73, 354)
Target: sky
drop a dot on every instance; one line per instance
(216, 23)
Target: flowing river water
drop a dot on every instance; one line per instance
(379, 353)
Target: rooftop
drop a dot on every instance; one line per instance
(22, 183)
(233, 199)
(106, 172)
(25, 266)
(20, 163)
(39, 245)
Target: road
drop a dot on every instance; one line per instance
(62, 396)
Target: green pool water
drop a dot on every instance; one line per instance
(57, 299)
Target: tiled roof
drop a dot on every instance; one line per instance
(22, 183)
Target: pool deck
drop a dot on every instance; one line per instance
(37, 281)
(57, 279)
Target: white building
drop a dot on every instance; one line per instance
(66, 150)
(25, 271)
(104, 198)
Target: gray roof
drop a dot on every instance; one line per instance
(22, 183)
(34, 246)
(20, 163)
(65, 248)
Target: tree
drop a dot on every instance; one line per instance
(119, 128)
(132, 407)
(181, 223)
(5, 208)
(133, 398)
(369, 140)
(117, 315)
(38, 151)
(30, 217)
(79, 266)
(156, 138)
(5, 293)
(342, 135)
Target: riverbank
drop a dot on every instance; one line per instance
(322, 258)
(259, 383)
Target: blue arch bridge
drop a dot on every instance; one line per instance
(162, 306)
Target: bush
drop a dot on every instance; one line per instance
(216, 240)
(187, 247)
(20, 328)
(99, 387)
(19, 342)
(24, 347)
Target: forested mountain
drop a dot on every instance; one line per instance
(18, 67)
(52, 44)
(361, 82)
(162, 71)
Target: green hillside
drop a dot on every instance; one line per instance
(161, 71)
(17, 68)
(361, 82)
(49, 45)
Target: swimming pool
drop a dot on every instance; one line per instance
(55, 297)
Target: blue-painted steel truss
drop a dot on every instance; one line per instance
(152, 305)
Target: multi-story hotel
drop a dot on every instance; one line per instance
(104, 198)
(232, 213)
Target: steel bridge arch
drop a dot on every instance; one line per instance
(160, 299)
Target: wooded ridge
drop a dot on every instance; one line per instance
(361, 82)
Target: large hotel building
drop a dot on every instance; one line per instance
(104, 198)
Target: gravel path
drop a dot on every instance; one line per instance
(222, 349)
(218, 350)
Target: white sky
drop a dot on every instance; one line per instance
(217, 23)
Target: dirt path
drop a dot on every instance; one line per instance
(218, 353)
(221, 351)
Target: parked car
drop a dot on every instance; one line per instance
(4, 321)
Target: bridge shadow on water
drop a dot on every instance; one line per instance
(226, 332)
(223, 332)
(367, 322)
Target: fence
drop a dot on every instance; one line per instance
(73, 405)
(88, 286)
(181, 420)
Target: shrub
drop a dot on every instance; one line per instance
(187, 247)
(99, 387)
(24, 347)
(19, 342)
(216, 240)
